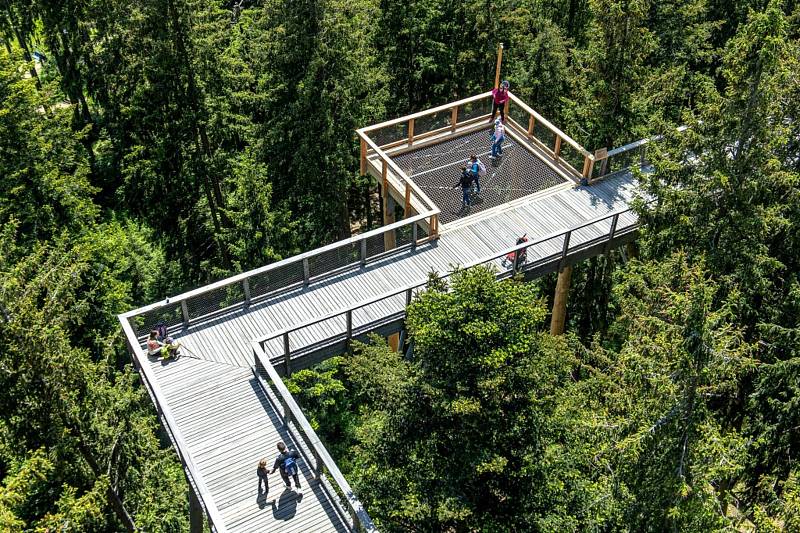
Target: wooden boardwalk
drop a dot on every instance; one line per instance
(228, 421)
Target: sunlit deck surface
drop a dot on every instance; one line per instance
(220, 409)
(517, 173)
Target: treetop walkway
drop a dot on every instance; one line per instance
(224, 404)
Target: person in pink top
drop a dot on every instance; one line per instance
(499, 99)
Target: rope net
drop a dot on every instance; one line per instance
(436, 168)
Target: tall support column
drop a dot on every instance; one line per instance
(497, 68)
(195, 512)
(560, 301)
(394, 341)
(389, 241)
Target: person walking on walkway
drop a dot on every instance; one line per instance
(498, 137)
(499, 99)
(465, 181)
(263, 476)
(286, 462)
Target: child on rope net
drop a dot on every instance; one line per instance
(465, 181)
(478, 170)
(164, 349)
(498, 136)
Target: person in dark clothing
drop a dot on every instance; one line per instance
(286, 462)
(465, 181)
(263, 472)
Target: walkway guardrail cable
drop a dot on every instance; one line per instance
(615, 230)
(255, 285)
(292, 411)
(165, 414)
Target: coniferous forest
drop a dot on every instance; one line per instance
(151, 146)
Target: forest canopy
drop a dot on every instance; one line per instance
(151, 146)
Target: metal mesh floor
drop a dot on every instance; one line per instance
(436, 168)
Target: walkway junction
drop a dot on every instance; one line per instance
(224, 405)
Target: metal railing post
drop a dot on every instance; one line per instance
(287, 355)
(306, 271)
(414, 235)
(517, 255)
(317, 463)
(409, 295)
(565, 249)
(349, 320)
(611, 232)
(185, 313)
(363, 252)
(246, 288)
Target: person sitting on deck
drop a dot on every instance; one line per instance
(499, 99)
(498, 137)
(157, 348)
(478, 170)
(465, 181)
(286, 462)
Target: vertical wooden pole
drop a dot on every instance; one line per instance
(557, 148)
(560, 301)
(195, 512)
(454, 118)
(497, 68)
(407, 205)
(588, 166)
(389, 240)
(363, 157)
(531, 124)
(394, 341)
(410, 132)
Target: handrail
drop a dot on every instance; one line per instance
(635, 145)
(424, 113)
(416, 285)
(240, 278)
(214, 516)
(321, 455)
(539, 118)
(397, 170)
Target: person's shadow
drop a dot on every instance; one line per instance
(284, 507)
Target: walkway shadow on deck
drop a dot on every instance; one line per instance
(609, 190)
(286, 504)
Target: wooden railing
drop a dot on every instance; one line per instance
(562, 148)
(322, 459)
(565, 246)
(256, 285)
(171, 426)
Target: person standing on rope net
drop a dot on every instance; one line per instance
(157, 348)
(465, 182)
(498, 136)
(478, 170)
(499, 99)
(286, 462)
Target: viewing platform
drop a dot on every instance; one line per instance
(224, 404)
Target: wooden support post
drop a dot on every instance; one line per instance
(557, 148)
(631, 250)
(389, 239)
(411, 132)
(588, 165)
(454, 118)
(287, 355)
(497, 68)
(394, 341)
(560, 301)
(407, 205)
(363, 157)
(434, 226)
(531, 124)
(195, 512)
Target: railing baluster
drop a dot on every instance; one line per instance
(246, 288)
(565, 249)
(414, 235)
(287, 355)
(363, 252)
(557, 147)
(454, 118)
(612, 231)
(409, 295)
(317, 462)
(531, 124)
(185, 313)
(411, 132)
(349, 320)
(306, 271)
